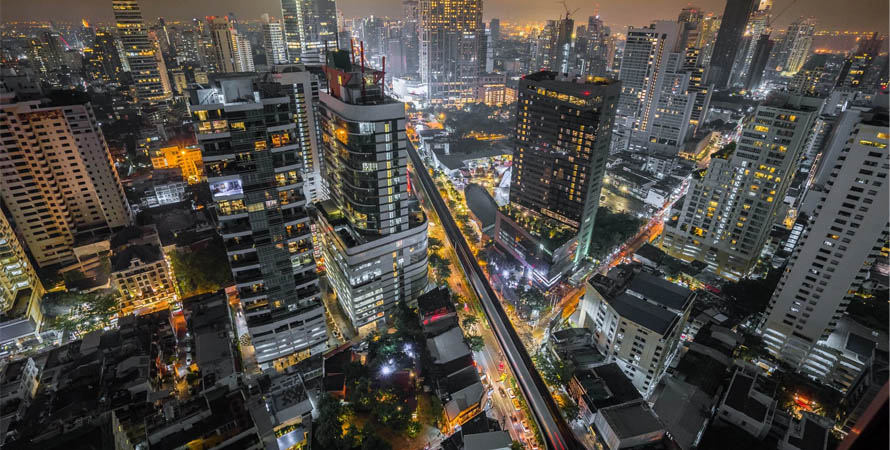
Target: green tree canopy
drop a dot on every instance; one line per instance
(201, 271)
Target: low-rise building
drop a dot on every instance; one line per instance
(749, 403)
(866, 388)
(542, 246)
(186, 158)
(140, 271)
(628, 425)
(600, 387)
(637, 319)
(436, 311)
(808, 433)
(462, 395)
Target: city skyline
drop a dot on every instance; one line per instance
(831, 15)
(433, 224)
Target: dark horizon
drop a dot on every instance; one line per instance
(852, 15)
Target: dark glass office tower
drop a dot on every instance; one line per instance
(563, 129)
(735, 16)
(247, 127)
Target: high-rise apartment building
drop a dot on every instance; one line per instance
(20, 289)
(273, 41)
(597, 49)
(374, 234)
(232, 52)
(305, 86)
(644, 67)
(846, 229)
(141, 54)
(636, 319)
(451, 49)
(310, 27)
(729, 39)
(563, 127)
(792, 52)
(730, 208)
(245, 125)
(707, 37)
(758, 24)
(56, 175)
(102, 60)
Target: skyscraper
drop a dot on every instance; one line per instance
(142, 57)
(451, 49)
(232, 52)
(20, 288)
(273, 41)
(252, 157)
(310, 26)
(58, 179)
(792, 52)
(731, 206)
(597, 52)
(374, 236)
(757, 25)
(563, 127)
(729, 38)
(846, 229)
(643, 75)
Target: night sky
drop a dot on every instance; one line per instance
(857, 15)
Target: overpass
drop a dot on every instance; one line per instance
(555, 431)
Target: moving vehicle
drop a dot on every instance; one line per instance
(512, 394)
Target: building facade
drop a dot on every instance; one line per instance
(20, 289)
(140, 271)
(374, 233)
(563, 127)
(247, 133)
(451, 49)
(310, 27)
(729, 40)
(844, 235)
(152, 87)
(58, 179)
(730, 208)
(637, 320)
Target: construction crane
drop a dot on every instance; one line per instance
(569, 12)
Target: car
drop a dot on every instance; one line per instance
(516, 404)
(525, 425)
(512, 394)
(502, 391)
(513, 419)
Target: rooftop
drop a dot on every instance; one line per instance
(481, 204)
(447, 346)
(632, 419)
(739, 396)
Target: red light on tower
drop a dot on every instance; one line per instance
(586, 93)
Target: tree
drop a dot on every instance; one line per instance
(751, 296)
(469, 321)
(441, 266)
(329, 425)
(434, 244)
(555, 372)
(201, 271)
(610, 230)
(475, 342)
(81, 312)
(516, 445)
(370, 441)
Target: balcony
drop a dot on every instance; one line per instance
(244, 263)
(304, 279)
(252, 293)
(247, 277)
(235, 228)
